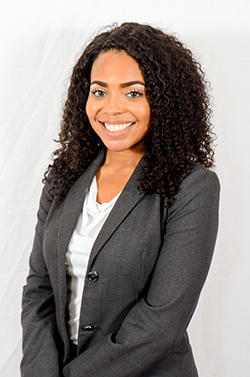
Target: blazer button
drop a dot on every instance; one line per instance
(87, 328)
(93, 275)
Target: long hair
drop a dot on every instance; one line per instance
(180, 131)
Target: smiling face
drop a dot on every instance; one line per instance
(117, 106)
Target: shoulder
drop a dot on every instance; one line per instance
(200, 188)
(201, 177)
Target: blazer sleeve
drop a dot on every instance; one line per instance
(40, 355)
(157, 323)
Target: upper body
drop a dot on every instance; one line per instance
(149, 283)
(153, 252)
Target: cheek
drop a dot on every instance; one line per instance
(91, 111)
(92, 108)
(145, 114)
(88, 109)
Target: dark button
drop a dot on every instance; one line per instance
(87, 328)
(93, 275)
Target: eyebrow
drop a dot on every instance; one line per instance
(123, 85)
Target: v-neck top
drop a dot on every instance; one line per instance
(89, 224)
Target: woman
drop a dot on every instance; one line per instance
(128, 215)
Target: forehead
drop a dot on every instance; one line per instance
(116, 66)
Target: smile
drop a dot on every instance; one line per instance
(117, 127)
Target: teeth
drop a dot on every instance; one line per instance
(117, 127)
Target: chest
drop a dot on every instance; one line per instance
(129, 244)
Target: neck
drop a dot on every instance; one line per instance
(122, 160)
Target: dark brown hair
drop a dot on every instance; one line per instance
(180, 132)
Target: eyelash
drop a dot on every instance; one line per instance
(98, 92)
(101, 93)
(137, 92)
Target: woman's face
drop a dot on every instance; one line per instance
(117, 106)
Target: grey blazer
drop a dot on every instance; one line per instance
(145, 273)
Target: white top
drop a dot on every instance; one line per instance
(89, 224)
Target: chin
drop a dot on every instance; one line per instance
(116, 147)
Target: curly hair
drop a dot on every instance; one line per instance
(180, 131)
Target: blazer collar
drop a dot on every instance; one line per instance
(128, 199)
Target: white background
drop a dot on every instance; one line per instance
(40, 41)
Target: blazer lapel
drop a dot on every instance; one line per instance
(70, 210)
(129, 197)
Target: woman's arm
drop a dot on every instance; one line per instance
(40, 346)
(156, 325)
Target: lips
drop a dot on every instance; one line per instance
(117, 127)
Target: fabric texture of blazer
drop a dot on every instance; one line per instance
(151, 264)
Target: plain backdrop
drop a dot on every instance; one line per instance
(40, 41)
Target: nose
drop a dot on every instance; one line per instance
(113, 105)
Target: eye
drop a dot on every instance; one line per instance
(98, 93)
(134, 93)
